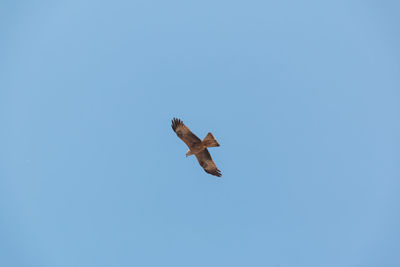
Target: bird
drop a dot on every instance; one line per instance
(197, 147)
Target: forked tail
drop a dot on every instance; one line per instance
(209, 141)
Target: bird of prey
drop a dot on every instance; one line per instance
(197, 147)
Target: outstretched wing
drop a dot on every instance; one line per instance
(184, 133)
(207, 163)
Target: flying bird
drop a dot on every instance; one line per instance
(197, 147)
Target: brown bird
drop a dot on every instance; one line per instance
(197, 147)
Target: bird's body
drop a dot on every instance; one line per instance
(197, 147)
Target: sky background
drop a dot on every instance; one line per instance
(303, 97)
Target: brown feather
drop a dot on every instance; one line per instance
(184, 133)
(207, 163)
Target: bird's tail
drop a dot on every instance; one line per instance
(209, 141)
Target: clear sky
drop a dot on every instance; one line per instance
(303, 97)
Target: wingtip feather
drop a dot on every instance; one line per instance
(175, 123)
(215, 172)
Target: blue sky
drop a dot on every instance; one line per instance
(303, 97)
